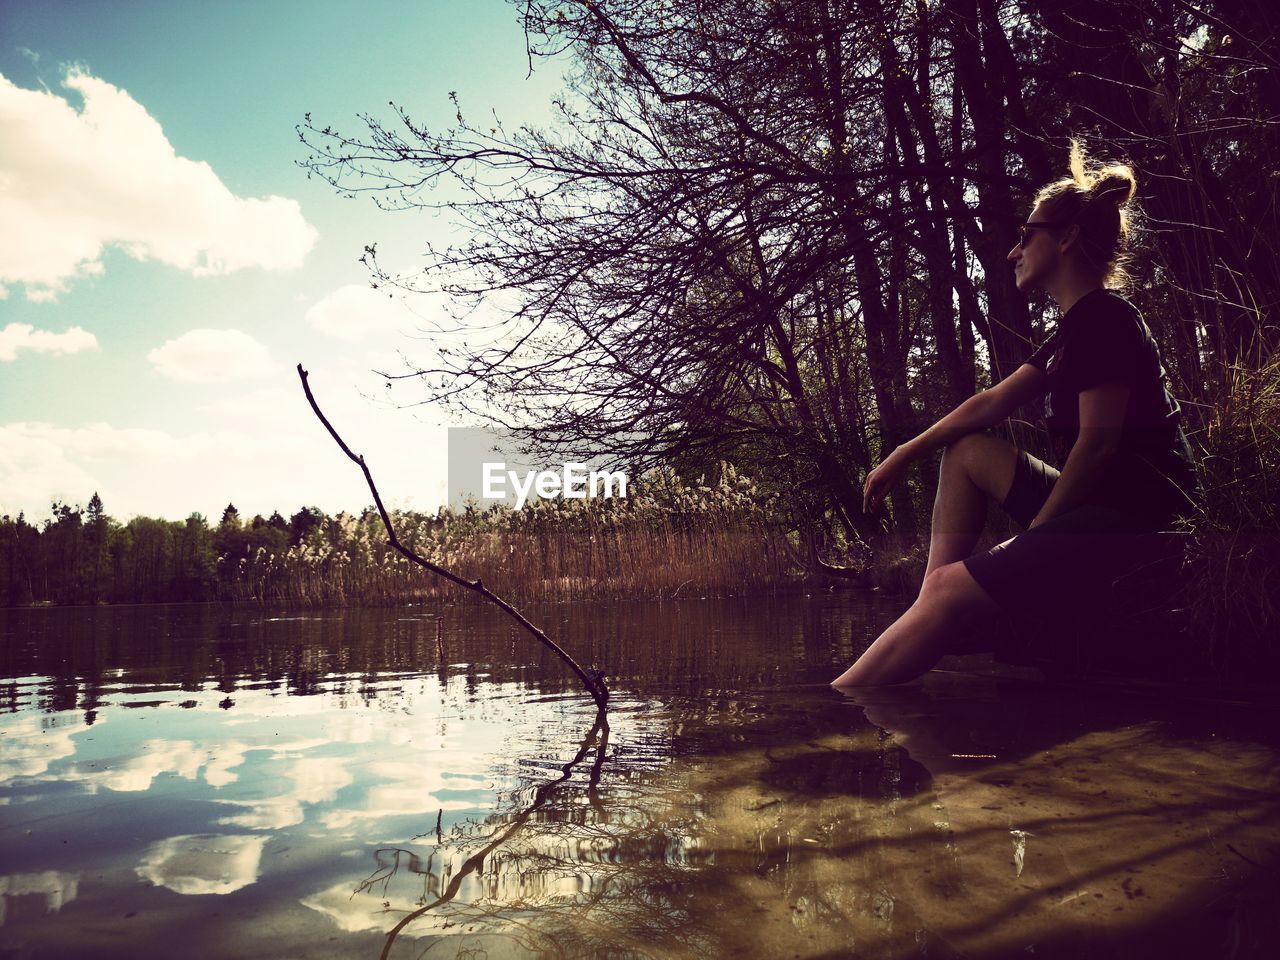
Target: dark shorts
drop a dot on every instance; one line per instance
(1064, 562)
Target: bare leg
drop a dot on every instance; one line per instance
(913, 643)
(973, 468)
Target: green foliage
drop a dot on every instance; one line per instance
(669, 536)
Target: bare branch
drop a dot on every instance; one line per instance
(593, 684)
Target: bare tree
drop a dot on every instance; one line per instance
(776, 232)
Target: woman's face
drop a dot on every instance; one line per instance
(1037, 259)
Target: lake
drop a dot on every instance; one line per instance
(425, 782)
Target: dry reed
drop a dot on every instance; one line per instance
(1233, 596)
(667, 539)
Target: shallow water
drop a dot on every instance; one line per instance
(231, 783)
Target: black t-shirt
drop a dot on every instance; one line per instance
(1102, 340)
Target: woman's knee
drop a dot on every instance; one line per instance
(986, 460)
(953, 588)
(965, 448)
(939, 583)
(965, 453)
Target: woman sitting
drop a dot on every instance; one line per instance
(1125, 466)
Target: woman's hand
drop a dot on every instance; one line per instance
(881, 480)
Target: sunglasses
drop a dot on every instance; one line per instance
(1025, 229)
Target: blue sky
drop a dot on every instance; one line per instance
(164, 262)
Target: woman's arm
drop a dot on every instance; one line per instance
(1102, 412)
(980, 411)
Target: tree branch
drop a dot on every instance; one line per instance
(593, 684)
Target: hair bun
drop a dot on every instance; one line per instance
(1115, 184)
(1104, 225)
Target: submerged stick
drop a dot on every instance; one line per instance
(598, 736)
(599, 692)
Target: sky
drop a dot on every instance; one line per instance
(165, 263)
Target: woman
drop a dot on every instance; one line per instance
(1125, 465)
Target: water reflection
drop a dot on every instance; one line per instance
(334, 786)
(218, 864)
(46, 891)
(786, 823)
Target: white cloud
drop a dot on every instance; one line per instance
(260, 448)
(23, 336)
(212, 356)
(203, 863)
(58, 889)
(75, 182)
(354, 911)
(360, 313)
(412, 786)
(315, 780)
(43, 461)
(182, 758)
(94, 441)
(34, 742)
(35, 469)
(244, 408)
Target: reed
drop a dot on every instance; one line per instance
(666, 539)
(1233, 597)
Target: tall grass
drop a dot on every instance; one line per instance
(1234, 558)
(666, 539)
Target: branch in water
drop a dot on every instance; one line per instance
(594, 685)
(598, 735)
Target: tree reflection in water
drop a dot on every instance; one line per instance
(446, 885)
(954, 823)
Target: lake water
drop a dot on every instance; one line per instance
(424, 782)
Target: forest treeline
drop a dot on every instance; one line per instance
(668, 538)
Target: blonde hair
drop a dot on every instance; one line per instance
(1099, 198)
